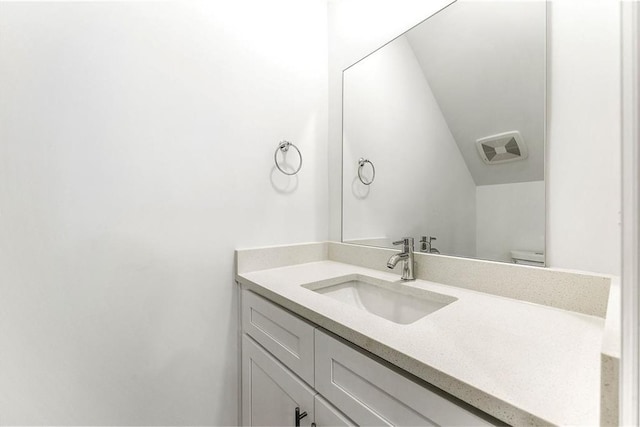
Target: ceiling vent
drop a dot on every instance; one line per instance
(502, 148)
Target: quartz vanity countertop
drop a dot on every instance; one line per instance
(523, 363)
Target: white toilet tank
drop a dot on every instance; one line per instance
(528, 257)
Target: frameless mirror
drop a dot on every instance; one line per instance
(444, 135)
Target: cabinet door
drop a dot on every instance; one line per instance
(373, 394)
(270, 392)
(328, 415)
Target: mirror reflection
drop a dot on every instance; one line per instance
(444, 134)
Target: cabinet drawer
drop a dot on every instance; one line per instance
(270, 392)
(287, 337)
(373, 394)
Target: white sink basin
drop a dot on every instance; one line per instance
(393, 301)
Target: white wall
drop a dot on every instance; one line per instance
(583, 117)
(583, 158)
(509, 217)
(422, 185)
(135, 156)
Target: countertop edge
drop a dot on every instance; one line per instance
(610, 359)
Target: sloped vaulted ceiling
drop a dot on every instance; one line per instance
(485, 63)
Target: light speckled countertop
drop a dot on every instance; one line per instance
(523, 363)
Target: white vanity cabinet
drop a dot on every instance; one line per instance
(288, 363)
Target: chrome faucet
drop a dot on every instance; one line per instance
(406, 256)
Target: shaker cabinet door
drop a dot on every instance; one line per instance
(270, 392)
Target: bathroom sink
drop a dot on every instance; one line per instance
(394, 301)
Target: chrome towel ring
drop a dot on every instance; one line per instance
(361, 162)
(284, 147)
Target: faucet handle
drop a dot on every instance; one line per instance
(406, 241)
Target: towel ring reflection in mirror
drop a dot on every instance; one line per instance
(361, 162)
(284, 147)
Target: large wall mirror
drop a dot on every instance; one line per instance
(444, 135)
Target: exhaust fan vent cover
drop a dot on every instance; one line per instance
(502, 148)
